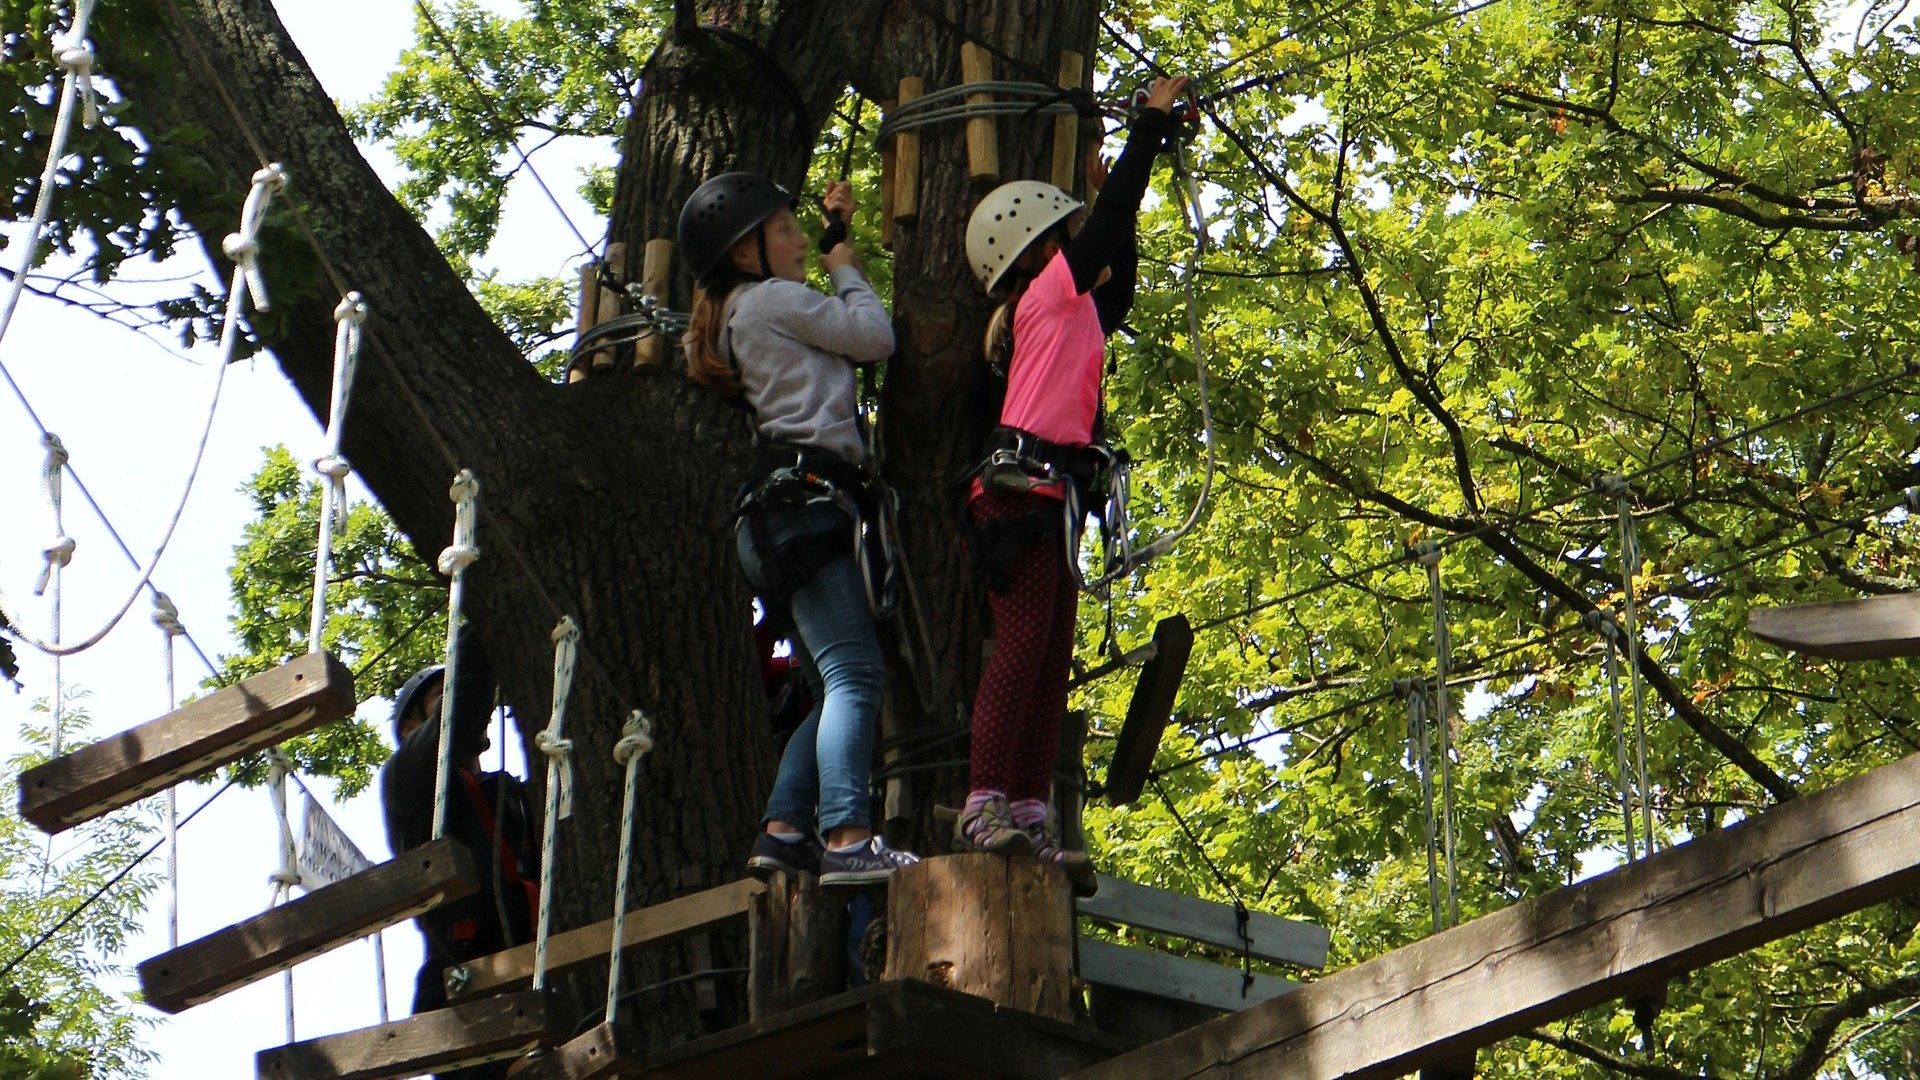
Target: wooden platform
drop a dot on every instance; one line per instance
(896, 1030)
(324, 919)
(466, 1034)
(195, 739)
(1876, 628)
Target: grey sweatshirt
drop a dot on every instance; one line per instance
(793, 345)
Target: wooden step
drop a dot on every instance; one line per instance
(1175, 978)
(661, 924)
(1270, 937)
(1875, 628)
(470, 1033)
(190, 741)
(607, 1050)
(1150, 709)
(323, 919)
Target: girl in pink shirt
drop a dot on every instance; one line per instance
(1061, 293)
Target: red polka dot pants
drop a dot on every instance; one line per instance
(1022, 695)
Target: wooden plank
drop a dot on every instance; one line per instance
(470, 1033)
(983, 143)
(906, 159)
(1875, 628)
(1282, 941)
(885, 1031)
(1150, 709)
(324, 919)
(660, 924)
(1176, 978)
(604, 1051)
(1066, 126)
(195, 739)
(1795, 866)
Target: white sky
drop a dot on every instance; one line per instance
(129, 414)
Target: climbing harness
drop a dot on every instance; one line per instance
(348, 317)
(552, 742)
(636, 740)
(1617, 486)
(454, 561)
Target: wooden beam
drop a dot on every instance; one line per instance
(326, 918)
(660, 924)
(1283, 941)
(1795, 866)
(1175, 978)
(1150, 709)
(195, 739)
(470, 1033)
(1876, 628)
(604, 1051)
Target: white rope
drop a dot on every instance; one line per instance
(71, 51)
(58, 554)
(265, 183)
(1443, 663)
(636, 740)
(288, 875)
(454, 560)
(551, 742)
(1419, 747)
(380, 973)
(1622, 492)
(347, 318)
(167, 618)
(1604, 625)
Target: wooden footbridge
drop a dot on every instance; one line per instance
(986, 972)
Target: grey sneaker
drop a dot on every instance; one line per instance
(1047, 847)
(772, 855)
(990, 827)
(869, 864)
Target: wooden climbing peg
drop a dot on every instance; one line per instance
(886, 183)
(656, 262)
(1066, 126)
(906, 159)
(589, 301)
(983, 144)
(609, 304)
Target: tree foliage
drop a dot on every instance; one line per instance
(1458, 269)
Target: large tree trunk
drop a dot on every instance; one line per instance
(608, 500)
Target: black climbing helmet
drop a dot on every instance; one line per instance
(720, 212)
(410, 692)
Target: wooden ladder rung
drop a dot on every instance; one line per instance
(605, 1051)
(324, 919)
(1143, 907)
(470, 1033)
(195, 739)
(660, 924)
(1875, 628)
(1175, 978)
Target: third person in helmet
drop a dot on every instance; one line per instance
(1061, 291)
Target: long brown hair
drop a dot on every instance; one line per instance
(997, 343)
(706, 364)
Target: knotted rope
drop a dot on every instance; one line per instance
(454, 561)
(551, 742)
(348, 317)
(636, 740)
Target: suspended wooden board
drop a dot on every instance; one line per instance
(1175, 978)
(605, 1051)
(661, 924)
(888, 1031)
(1270, 937)
(1150, 709)
(470, 1033)
(1432, 1002)
(324, 919)
(226, 725)
(1876, 628)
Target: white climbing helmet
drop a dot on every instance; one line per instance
(1012, 216)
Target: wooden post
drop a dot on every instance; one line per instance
(991, 926)
(983, 146)
(699, 950)
(886, 182)
(1066, 127)
(609, 303)
(1069, 779)
(296, 697)
(656, 264)
(906, 159)
(577, 368)
(897, 803)
(796, 944)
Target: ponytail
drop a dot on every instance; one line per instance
(997, 344)
(706, 364)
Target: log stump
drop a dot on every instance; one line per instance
(987, 925)
(796, 944)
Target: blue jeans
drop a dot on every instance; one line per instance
(823, 777)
